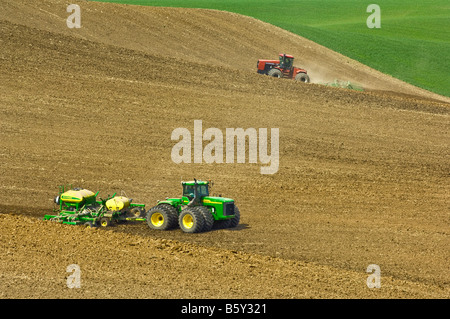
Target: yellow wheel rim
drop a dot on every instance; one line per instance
(188, 221)
(157, 219)
(104, 223)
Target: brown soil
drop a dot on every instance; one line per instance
(363, 176)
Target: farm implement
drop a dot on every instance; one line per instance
(78, 206)
(195, 211)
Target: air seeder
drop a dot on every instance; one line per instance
(196, 211)
(77, 206)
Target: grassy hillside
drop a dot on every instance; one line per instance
(413, 43)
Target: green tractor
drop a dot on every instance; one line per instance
(196, 211)
(78, 206)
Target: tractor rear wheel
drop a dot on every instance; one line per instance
(173, 211)
(302, 77)
(191, 220)
(207, 216)
(275, 73)
(222, 224)
(160, 218)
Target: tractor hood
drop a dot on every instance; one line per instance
(170, 201)
(208, 200)
(216, 200)
(269, 61)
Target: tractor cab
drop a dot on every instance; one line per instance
(195, 188)
(286, 62)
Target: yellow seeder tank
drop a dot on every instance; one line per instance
(118, 203)
(76, 196)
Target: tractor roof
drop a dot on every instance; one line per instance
(287, 55)
(193, 183)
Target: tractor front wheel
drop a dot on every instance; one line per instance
(237, 217)
(222, 224)
(191, 220)
(207, 216)
(275, 73)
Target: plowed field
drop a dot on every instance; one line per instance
(363, 176)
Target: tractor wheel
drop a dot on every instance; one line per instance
(173, 211)
(105, 222)
(191, 220)
(160, 218)
(207, 216)
(302, 77)
(222, 224)
(237, 217)
(275, 73)
(137, 212)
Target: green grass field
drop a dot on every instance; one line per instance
(413, 43)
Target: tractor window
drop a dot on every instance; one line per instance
(202, 190)
(286, 63)
(188, 191)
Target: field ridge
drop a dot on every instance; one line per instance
(363, 176)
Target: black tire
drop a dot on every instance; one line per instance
(161, 218)
(191, 220)
(275, 73)
(173, 211)
(207, 216)
(222, 224)
(302, 77)
(237, 217)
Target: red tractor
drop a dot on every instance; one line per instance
(282, 68)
